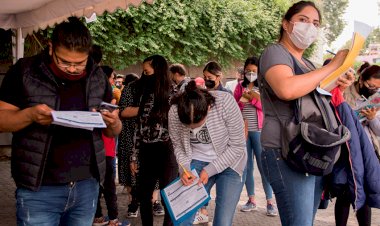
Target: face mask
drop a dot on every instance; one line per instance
(251, 76)
(210, 84)
(303, 34)
(196, 130)
(363, 90)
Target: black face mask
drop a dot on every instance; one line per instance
(210, 84)
(363, 90)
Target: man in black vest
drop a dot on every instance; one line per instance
(56, 169)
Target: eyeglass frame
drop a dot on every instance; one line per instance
(68, 65)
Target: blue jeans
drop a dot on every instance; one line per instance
(254, 149)
(73, 204)
(297, 195)
(228, 188)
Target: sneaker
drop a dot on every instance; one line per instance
(131, 214)
(157, 209)
(271, 211)
(132, 210)
(200, 218)
(248, 207)
(100, 221)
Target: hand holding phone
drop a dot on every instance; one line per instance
(104, 106)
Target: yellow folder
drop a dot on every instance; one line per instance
(357, 43)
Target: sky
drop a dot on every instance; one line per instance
(365, 11)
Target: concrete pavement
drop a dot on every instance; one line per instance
(257, 218)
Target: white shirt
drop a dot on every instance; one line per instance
(231, 85)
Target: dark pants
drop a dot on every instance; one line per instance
(342, 211)
(109, 191)
(157, 161)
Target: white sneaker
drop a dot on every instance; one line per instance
(200, 218)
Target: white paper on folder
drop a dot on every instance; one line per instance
(362, 28)
(182, 199)
(361, 32)
(78, 119)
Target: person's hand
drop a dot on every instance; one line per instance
(111, 119)
(41, 114)
(203, 177)
(246, 95)
(338, 59)
(346, 80)
(254, 95)
(369, 113)
(188, 178)
(133, 167)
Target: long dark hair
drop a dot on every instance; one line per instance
(161, 87)
(193, 103)
(254, 61)
(296, 8)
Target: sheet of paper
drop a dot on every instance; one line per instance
(78, 119)
(361, 32)
(373, 101)
(183, 200)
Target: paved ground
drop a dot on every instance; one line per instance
(257, 218)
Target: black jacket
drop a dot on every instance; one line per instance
(30, 146)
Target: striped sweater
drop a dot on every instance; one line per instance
(226, 128)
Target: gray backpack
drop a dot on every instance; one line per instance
(311, 140)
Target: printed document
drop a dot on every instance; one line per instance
(182, 201)
(78, 119)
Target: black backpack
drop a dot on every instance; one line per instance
(311, 140)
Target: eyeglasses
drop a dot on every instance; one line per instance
(66, 65)
(370, 86)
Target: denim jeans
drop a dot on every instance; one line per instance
(228, 188)
(71, 204)
(254, 149)
(297, 195)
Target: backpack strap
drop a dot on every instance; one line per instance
(297, 103)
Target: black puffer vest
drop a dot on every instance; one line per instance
(30, 146)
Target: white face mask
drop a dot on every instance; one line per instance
(251, 76)
(303, 34)
(197, 129)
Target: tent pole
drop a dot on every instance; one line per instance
(17, 45)
(20, 44)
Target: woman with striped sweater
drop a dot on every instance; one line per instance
(207, 131)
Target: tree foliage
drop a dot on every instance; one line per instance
(191, 32)
(373, 38)
(333, 11)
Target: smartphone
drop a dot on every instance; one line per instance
(104, 106)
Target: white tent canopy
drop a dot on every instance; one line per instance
(26, 16)
(31, 15)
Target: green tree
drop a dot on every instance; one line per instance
(373, 38)
(188, 31)
(333, 11)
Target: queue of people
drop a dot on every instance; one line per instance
(166, 119)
